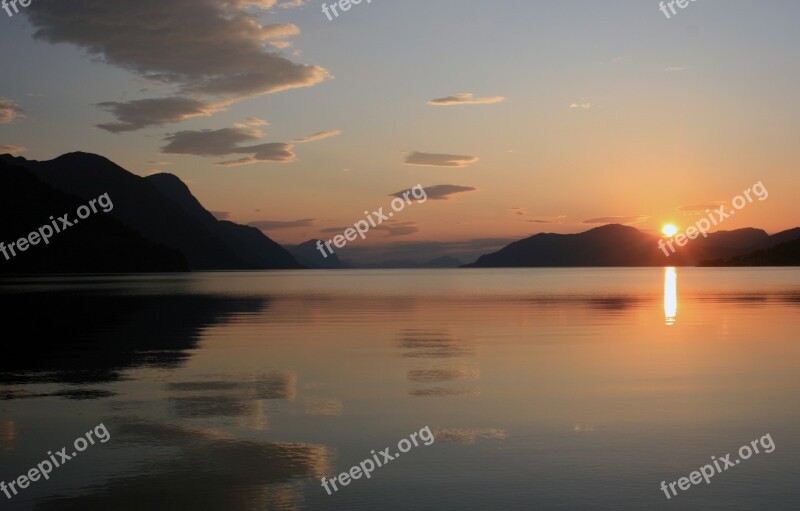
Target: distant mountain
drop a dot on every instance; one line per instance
(779, 252)
(778, 238)
(309, 255)
(162, 210)
(727, 243)
(102, 245)
(439, 262)
(616, 245)
(443, 262)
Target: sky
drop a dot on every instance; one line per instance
(537, 116)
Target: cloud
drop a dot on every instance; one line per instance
(549, 220)
(255, 121)
(397, 228)
(317, 136)
(616, 220)
(276, 34)
(143, 113)
(226, 142)
(273, 152)
(12, 149)
(337, 230)
(273, 225)
(290, 4)
(439, 160)
(280, 31)
(441, 192)
(217, 59)
(583, 106)
(674, 69)
(466, 98)
(221, 215)
(9, 111)
(540, 220)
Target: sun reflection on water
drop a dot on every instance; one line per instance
(670, 296)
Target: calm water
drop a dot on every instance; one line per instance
(573, 389)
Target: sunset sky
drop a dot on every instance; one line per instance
(562, 115)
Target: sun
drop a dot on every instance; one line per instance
(669, 230)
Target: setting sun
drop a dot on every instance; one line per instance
(669, 230)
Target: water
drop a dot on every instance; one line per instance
(562, 389)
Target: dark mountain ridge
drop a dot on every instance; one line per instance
(162, 210)
(619, 245)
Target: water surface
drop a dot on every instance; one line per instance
(546, 388)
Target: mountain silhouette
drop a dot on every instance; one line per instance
(101, 244)
(779, 238)
(162, 210)
(617, 245)
(94, 336)
(309, 255)
(250, 244)
(781, 249)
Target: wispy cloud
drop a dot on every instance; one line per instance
(317, 136)
(9, 111)
(549, 220)
(12, 149)
(439, 160)
(255, 121)
(466, 98)
(274, 225)
(439, 192)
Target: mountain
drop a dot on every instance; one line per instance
(309, 255)
(610, 245)
(101, 244)
(616, 245)
(778, 252)
(162, 210)
(248, 243)
(781, 237)
(728, 243)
